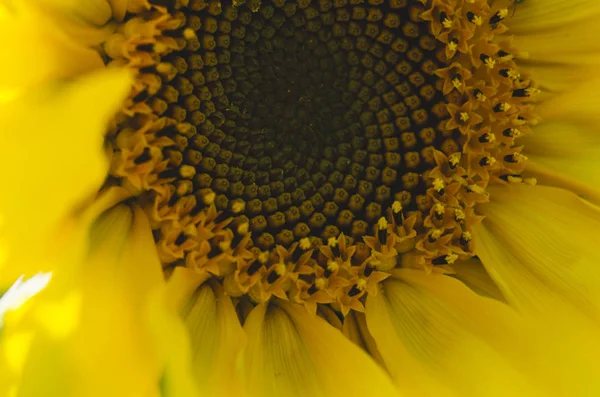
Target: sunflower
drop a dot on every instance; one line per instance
(310, 197)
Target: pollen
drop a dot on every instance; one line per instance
(302, 149)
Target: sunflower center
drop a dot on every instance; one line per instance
(293, 148)
(315, 117)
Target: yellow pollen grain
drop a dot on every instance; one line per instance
(280, 269)
(238, 206)
(477, 189)
(505, 106)
(452, 46)
(490, 63)
(532, 91)
(451, 258)
(519, 157)
(225, 245)
(503, 13)
(480, 97)
(320, 283)
(456, 83)
(209, 198)
(243, 228)
(305, 243)
(332, 266)
(361, 284)
(459, 215)
(438, 183)
(514, 179)
(438, 208)
(530, 181)
(447, 23)
(187, 171)
(436, 233)
(477, 20)
(263, 257)
(513, 74)
(332, 241)
(466, 236)
(396, 207)
(454, 158)
(189, 34)
(382, 223)
(464, 116)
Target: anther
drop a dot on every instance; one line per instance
(465, 237)
(459, 215)
(382, 230)
(501, 107)
(498, 16)
(486, 138)
(438, 210)
(525, 92)
(514, 158)
(454, 159)
(487, 161)
(434, 235)
(445, 260)
(511, 133)
(439, 185)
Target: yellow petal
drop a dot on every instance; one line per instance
(355, 329)
(437, 337)
(34, 50)
(96, 12)
(540, 245)
(91, 324)
(217, 339)
(578, 106)
(473, 274)
(293, 353)
(52, 158)
(557, 31)
(565, 155)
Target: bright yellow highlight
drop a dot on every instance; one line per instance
(46, 127)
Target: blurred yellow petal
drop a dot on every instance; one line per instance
(437, 337)
(473, 274)
(92, 323)
(33, 50)
(171, 339)
(540, 245)
(578, 105)
(217, 339)
(565, 155)
(292, 353)
(557, 31)
(53, 157)
(96, 12)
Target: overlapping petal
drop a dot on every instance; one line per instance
(292, 353)
(437, 337)
(560, 39)
(539, 244)
(94, 330)
(53, 158)
(35, 50)
(217, 339)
